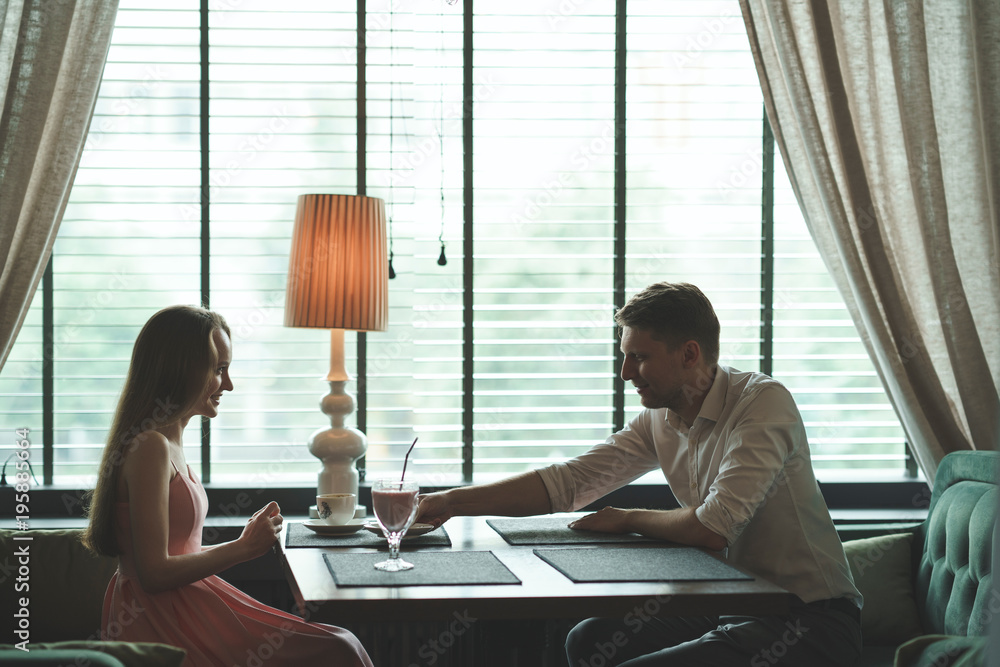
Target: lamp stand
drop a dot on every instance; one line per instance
(338, 447)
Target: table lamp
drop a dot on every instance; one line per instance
(338, 279)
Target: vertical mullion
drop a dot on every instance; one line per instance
(48, 373)
(767, 252)
(620, 209)
(361, 116)
(206, 431)
(468, 349)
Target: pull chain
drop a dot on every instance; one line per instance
(442, 260)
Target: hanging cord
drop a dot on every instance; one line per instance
(442, 260)
(392, 136)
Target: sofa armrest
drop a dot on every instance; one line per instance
(943, 651)
(65, 584)
(57, 658)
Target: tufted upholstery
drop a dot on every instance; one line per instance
(954, 547)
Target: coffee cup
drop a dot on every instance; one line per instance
(335, 509)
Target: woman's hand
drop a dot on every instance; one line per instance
(262, 530)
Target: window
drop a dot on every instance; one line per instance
(500, 360)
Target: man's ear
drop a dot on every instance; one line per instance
(692, 353)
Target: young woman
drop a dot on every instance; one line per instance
(148, 509)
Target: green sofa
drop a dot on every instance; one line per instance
(65, 593)
(928, 592)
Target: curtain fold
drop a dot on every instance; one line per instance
(52, 57)
(887, 115)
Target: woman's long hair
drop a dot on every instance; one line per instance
(173, 360)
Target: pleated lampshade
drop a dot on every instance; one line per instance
(338, 269)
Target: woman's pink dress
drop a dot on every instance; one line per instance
(214, 622)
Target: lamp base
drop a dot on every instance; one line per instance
(338, 449)
(339, 446)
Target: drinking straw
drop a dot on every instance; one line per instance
(406, 459)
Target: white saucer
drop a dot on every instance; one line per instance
(352, 526)
(415, 530)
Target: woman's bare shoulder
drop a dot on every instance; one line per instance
(148, 452)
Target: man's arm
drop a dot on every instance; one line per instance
(678, 525)
(521, 495)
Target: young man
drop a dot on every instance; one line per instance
(733, 449)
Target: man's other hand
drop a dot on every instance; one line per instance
(607, 520)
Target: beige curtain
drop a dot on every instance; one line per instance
(51, 60)
(887, 115)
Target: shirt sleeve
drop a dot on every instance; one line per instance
(622, 458)
(767, 434)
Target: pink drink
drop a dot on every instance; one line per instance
(394, 509)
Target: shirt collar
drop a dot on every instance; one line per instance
(713, 405)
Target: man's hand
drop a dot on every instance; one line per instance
(677, 525)
(607, 520)
(434, 508)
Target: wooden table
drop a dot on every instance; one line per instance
(544, 593)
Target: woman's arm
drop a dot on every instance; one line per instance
(147, 473)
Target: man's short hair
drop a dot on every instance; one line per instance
(674, 313)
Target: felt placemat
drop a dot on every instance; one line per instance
(611, 564)
(298, 535)
(553, 530)
(430, 568)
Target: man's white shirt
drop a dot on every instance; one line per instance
(744, 465)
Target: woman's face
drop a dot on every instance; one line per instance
(219, 380)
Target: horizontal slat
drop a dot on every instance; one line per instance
(282, 88)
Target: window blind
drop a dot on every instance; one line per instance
(414, 162)
(125, 247)
(694, 166)
(852, 427)
(282, 109)
(544, 230)
(282, 121)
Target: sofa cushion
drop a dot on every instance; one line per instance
(129, 654)
(883, 572)
(953, 581)
(66, 584)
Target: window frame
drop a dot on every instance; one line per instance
(468, 327)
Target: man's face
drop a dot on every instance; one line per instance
(656, 370)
